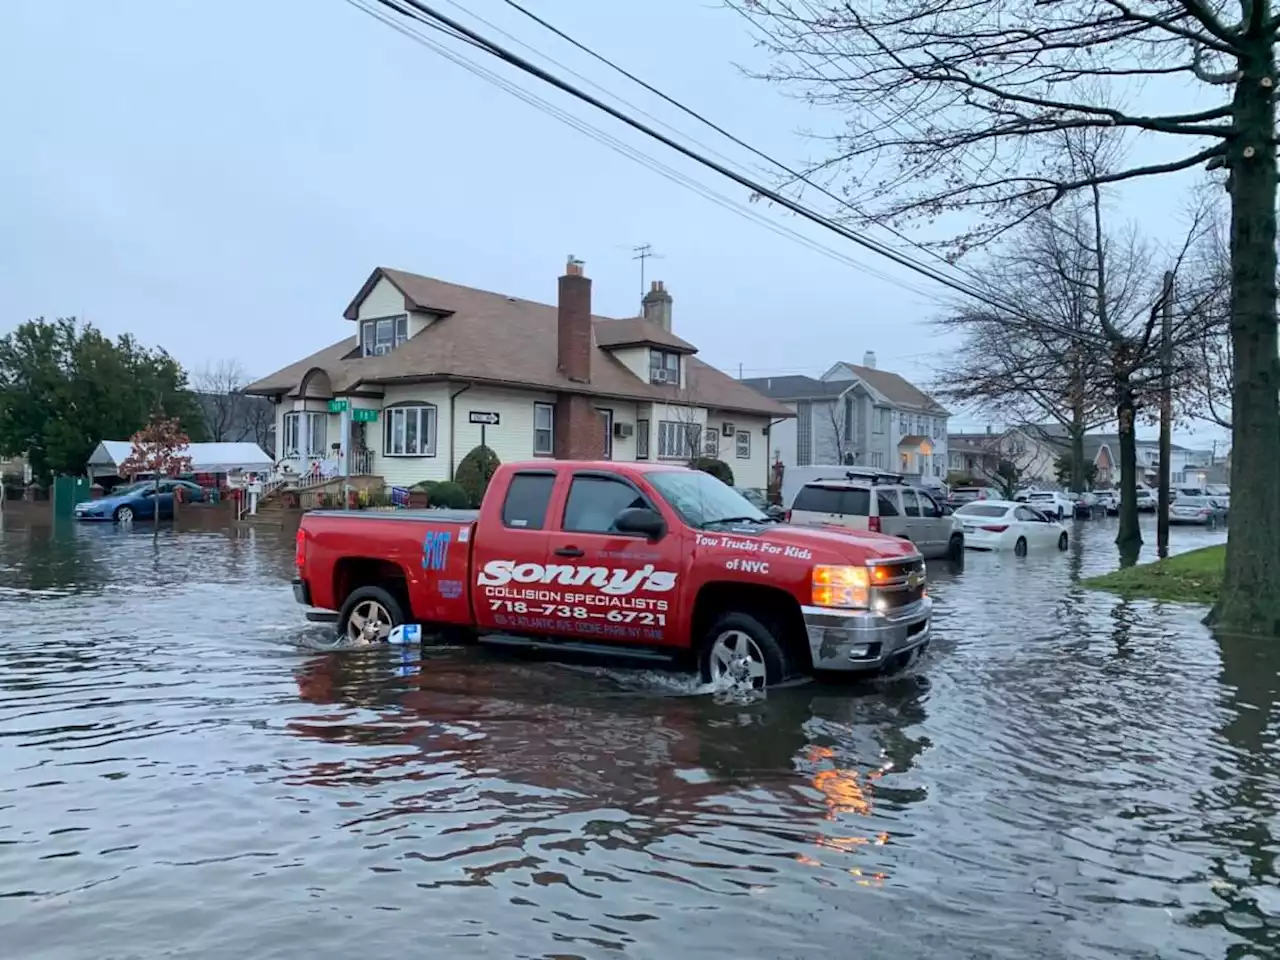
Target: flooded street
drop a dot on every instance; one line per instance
(1066, 775)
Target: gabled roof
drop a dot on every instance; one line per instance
(485, 337)
(639, 332)
(796, 387)
(895, 388)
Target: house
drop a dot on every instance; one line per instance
(859, 414)
(431, 369)
(1103, 450)
(977, 455)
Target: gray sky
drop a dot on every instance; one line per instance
(220, 178)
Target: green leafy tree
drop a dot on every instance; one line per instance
(717, 468)
(65, 387)
(1064, 470)
(474, 473)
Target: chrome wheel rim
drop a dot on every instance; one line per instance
(125, 515)
(734, 655)
(369, 623)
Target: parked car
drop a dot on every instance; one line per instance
(140, 501)
(1009, 525)
(882, 503)
(1054, 503)
(758, 497)
(654, 561)
(963, 495)
(1085, 506)
(1109, 500)
(1146, 500)
(1202, 511)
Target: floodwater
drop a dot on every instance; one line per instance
(1066, 775)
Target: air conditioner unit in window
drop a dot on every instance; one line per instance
(665, 376)
(623, 430)
(727, 430)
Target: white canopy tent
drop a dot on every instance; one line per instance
(205, 458)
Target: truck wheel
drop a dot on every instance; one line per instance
(740, 647)
(368, 616)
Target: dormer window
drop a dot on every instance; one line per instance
(383, 335)
(664, 367)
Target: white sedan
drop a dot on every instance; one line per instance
(1006, 525)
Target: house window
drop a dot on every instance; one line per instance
(678, 441)
(878, 417)
(410, 431)
(304, 434)
(544, 420)
(711, 444)
(937, 427)
(642, 439)
(744, 444)
(877, 460)
(848, 419)
(607, 416)
(804, 433)
(904, 423)
(920, 425)
(383, 335)
(664, 367)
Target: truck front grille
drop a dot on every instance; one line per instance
(892, 584)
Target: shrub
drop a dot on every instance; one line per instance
(474, 472)
(717, 468)
(445, 493)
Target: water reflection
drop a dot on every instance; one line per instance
(1068, 775)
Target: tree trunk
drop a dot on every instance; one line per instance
(1077, 455)
(1130, 535)
(1250, 599)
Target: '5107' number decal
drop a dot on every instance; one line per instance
(641, 618)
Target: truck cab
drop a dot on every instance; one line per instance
(646, 559)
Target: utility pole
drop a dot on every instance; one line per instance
(1166, 415)
(642, 253)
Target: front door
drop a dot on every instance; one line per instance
(617, 588)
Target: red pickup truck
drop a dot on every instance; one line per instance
(646, 559)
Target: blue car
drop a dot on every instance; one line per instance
(139, 501)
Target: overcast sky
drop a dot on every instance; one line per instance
(220, 178)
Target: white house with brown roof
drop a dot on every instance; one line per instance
(861, 415)
(431, 366)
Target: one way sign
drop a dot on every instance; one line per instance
(489, 418)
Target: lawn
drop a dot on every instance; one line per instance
(1192, 577)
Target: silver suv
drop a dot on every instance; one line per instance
(883, 503)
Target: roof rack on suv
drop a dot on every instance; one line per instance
(873, 476)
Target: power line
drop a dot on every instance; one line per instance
(714, 126)
(533, 69)
(618, 146)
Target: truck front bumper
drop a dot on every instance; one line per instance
(864, 641)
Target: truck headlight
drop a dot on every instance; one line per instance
(844, 587)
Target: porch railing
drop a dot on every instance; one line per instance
(360, 463)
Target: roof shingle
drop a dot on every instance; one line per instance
(493, 338)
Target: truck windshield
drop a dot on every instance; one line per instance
(702, 500)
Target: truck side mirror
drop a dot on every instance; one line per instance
(641, 521)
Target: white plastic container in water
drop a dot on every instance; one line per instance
(405, 635)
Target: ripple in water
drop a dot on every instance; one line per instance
(1066, 775)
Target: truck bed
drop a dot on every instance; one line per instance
(434, 516)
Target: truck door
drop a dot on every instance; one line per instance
(614, 587)
(509, 563)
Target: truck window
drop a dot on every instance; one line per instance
(928, 506)
(595, 502)
(527, 499)
(888, 503)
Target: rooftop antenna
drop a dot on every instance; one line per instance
(642, 253)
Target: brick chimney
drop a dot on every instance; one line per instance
(657, 305)
(574, 323)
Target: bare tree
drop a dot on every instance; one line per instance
(840, 434)
(220, 386)
(955, 106)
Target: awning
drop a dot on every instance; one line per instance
(917, 443)
(205, 457)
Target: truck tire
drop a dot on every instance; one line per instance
(368, 616)
(740, 646)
